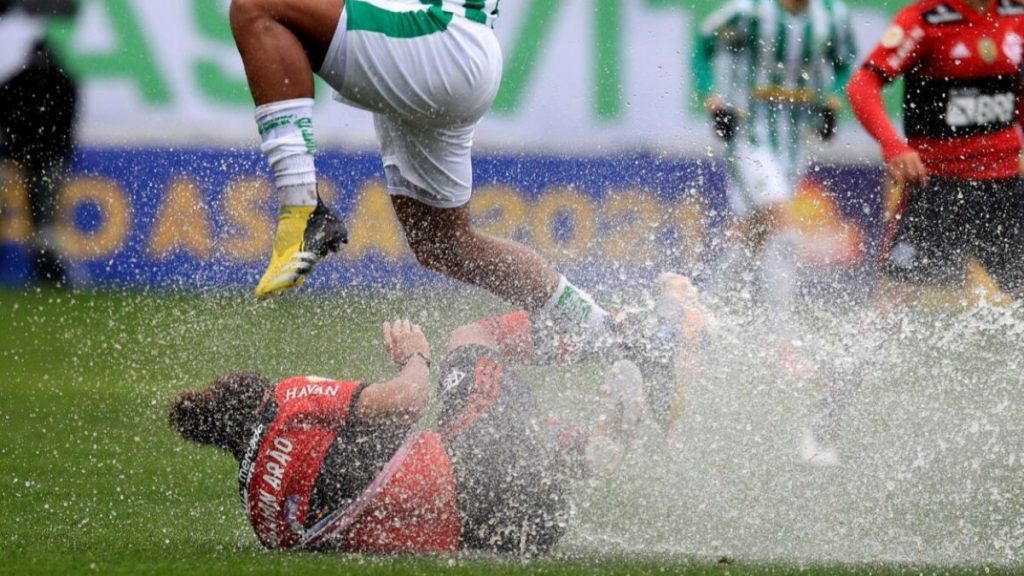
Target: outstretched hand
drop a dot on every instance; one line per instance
(907, 168)
(402, 339)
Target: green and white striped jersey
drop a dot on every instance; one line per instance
(775, 67)
(483, 11)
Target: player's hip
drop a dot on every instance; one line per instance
(423, 66)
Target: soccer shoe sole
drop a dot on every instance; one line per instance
(324, 233)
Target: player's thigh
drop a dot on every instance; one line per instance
(756, 179)
(482, 401)
(1000, 242)
(414, 63)
(430, 164)
(932, 240)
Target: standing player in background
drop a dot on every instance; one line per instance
(770, 72)
(38, 101)
(428, 71)
(959, 165)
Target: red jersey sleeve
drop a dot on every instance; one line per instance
(902, 45)
(326, 401)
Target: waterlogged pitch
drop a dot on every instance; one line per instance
(931, 447)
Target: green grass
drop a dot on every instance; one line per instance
(93, 481)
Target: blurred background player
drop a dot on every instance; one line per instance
(770, 72)
(335, 464)
(428, 72)
(957, 169)
(38, 101)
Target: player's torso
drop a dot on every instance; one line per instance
(278, 474)
(784, 54)
(969, 72)
(779, 73)
(960, 96)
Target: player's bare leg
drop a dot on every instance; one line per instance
(444, 240)
(281, 43)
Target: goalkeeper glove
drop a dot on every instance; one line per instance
(726, 122)
(829, 122)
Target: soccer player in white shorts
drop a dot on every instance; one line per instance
(428, 70)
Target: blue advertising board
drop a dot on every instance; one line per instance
(199, 219)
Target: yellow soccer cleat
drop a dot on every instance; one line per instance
(305, 235)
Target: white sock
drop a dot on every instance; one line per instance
(576, 306)
(286, 128)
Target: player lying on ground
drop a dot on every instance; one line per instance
(428, 71)
(336, 464)
(958, 167)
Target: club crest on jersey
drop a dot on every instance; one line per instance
(987, 50)
(893, 36)
(452, 380)
(1010, 8)
(942, 14)
(1013, 47)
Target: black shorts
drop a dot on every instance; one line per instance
(950, 221)
(512, 476)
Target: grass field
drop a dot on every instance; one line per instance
(93, 481)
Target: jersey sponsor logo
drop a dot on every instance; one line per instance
(960, 52)
(942, 14)
(1013, 47)
(266, 517)
(987, 50)
(968, 108)
(1010, 8)
(311, 389)
(245, 468)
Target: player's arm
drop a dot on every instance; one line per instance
(842, 54)
(900, 48)
(843, 50)
(721, 26)
(402, 399)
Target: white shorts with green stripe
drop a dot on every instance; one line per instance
(756, 179)
(428, 76)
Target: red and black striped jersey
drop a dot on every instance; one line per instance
(962, 73)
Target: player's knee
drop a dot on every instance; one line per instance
(243, 12)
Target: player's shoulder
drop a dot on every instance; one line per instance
(728, 11)
(932, 13)
(728, 15)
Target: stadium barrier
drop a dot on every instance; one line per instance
(205, 218)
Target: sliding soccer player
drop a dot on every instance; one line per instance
(337, 464)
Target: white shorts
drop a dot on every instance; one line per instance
(756, 180)
(428, 77)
